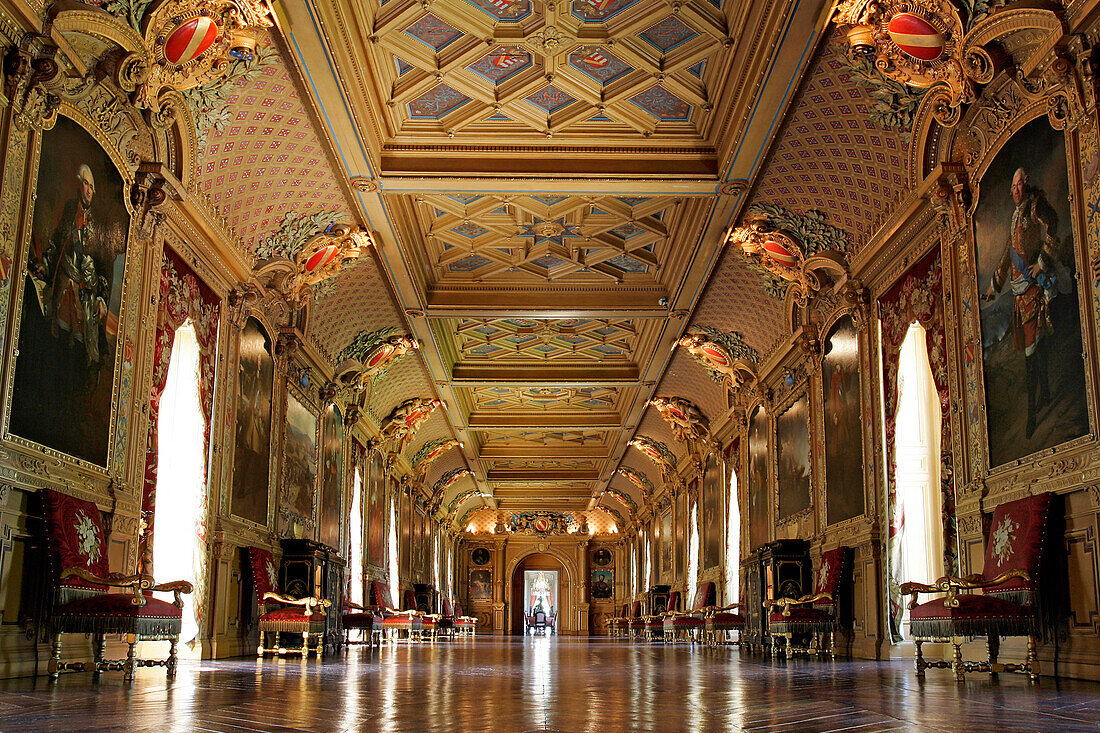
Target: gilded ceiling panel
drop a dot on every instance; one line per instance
(687, 378)
(542, 340)
(735, 301)
(545, 238)
(522, 68)
(545, 398)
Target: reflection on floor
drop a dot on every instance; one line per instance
(539, 684)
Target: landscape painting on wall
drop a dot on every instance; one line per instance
(843, 427)
(252, 449)
(376, 508)
(793, 435)
(68, 333)
(1030, 316)
(759, 516)
(710, 514)
(332, 476)
(299, 460)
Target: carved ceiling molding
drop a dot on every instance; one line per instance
(725, 355)
(689, 425)
(429, 453)
(657, 452)
(405, 419)
(369, 355)
(445, 482)
(640, 481)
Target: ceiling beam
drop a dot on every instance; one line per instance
(520, 475)
(565, 375)
(555, 421)
(625, 301)
(569, 186)
(550, 453)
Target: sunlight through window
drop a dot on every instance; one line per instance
(693, 554)
(356, 534)
(918, 464)
(733, 544)
(181, 474)
(394, 584)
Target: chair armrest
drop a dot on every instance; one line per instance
(951, 585)
(309, 603)
(177, 588)
(689, 612)
(353, 605)
(137, 583)
(786, 603)
(711, 610)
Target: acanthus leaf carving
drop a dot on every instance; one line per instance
(29, 68)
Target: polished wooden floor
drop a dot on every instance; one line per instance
(540, 684)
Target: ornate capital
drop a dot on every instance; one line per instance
(28, 70)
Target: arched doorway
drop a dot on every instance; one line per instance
(539, 577)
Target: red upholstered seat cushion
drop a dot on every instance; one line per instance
(360, 620)
(637, 623)
(465, 622)
(971, 608)
(429, 623)
(76, 537)
(118, 604)
(691, 622)
(398, 620)
(725, 618)
(289, 615)
(802, 614)
(655, 623)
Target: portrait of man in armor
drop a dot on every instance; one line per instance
(71, 298)
(1030, 317)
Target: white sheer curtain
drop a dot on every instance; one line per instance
(180, 473)
(918, 463)
(733, 544)
(693, 555)
(356, 532)
(647, 576)
(395, 583)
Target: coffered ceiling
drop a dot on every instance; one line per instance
(549, 183)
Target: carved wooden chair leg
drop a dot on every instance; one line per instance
(1032, 659)
(55, 658)
(790, 645)
(994, 645)
(173, 656)
(262, 644)
(99, 641)
(918, 657)
(131, 659)
(957, 659)
(832, 645)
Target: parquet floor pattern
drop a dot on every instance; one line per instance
(510, 685)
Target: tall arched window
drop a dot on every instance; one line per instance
(181, 472)
(356, 539)
(647, 574)
(634, 569)
(920, 542)
(693, 554)
(395, 583)
(733, 543)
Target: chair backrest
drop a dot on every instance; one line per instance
(1017, 541)
(447, 610)
(704, 596)
(834, 574)
(540, 617)
(625, 610)
(380, 594)
(75, 538)
(265, 574)
(673, 601)
(458, 609)
(636, 609)
(410, 600)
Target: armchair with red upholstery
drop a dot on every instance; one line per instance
(723, 621)
(616, 625)
(358, 618)
(689, 624)
(1010, 602)
(301, 616)
(655, 624)
(464, 625)
(635, 623)
(80, 580)
(817, 614)
(394, 621)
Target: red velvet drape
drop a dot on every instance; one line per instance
(183, 297)
(916, 297)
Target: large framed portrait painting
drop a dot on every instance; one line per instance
(252, 449)
(299, 461)
(759, 514)
(376, 510)
(843, 427)
(1030, 316)
(710, 513)
(72, 298)
(332, 476)
(792, 432)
